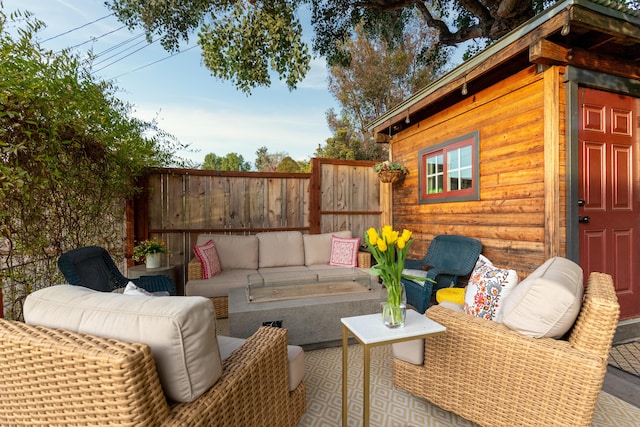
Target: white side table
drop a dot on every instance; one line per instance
(370, 331)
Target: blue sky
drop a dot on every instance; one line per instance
(208, 114)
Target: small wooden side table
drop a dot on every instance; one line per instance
(141, 270)
(370, 331)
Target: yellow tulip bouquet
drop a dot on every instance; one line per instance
(390, 248)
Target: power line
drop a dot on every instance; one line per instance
(77, 28)
(93, 39)
(126, 56)
(117, 53)
(154, 62)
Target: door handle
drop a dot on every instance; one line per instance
(584, 219)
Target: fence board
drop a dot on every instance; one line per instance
(181, 204)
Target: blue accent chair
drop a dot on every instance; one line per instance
(448, 257)
(93, 267)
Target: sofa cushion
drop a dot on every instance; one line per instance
(487, 288)
(181, 331)
(547, 302)
(344, 252)
(219, 285)
(234, 252)
(280, 249)
(295, 358)
(317, 247)
(208, 256)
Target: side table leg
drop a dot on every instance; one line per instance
(366, 352)
(345, 344)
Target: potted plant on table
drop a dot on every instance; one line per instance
(390, 171)
(149, 251)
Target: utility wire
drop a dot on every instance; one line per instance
(154, 62)
(120, 59)
(119, 53)
(77, 28)
(93, 39)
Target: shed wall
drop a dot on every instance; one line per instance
(510, 218)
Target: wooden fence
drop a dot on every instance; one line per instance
(178, 204)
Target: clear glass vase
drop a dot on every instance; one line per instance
(394, 309)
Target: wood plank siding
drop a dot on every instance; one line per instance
(520, 121)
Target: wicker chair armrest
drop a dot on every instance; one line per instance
(254, 388)
(194, 269)
(71, 378)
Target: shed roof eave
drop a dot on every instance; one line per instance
(399, 112)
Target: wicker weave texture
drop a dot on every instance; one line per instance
(221, 304)
(494, 376)
(53, 378)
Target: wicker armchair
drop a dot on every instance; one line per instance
(93, 267)
(494, 376)
(54, 377)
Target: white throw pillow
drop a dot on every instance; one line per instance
(487, 288)
(181, 331)
(547, 302)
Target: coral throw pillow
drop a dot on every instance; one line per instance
(208, 256)
(487, 288)
(344, 252)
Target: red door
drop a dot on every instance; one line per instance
(609, 192)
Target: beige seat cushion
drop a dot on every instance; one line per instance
(280, 249)
(547, 302)
(317, 247)
(295, 356)
(413, 351)
(234, 252)
(181, 331)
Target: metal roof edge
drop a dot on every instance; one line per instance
(509, 38)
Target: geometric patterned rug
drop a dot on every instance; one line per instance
(626, 356)
(392, 407)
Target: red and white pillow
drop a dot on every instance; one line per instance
(208, 256)
(344, 252)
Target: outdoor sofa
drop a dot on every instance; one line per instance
(92, 358)
(537, 366)
(285, 255)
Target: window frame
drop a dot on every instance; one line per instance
(473, 193)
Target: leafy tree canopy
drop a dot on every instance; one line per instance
(268, 162)
(230, 162)
(244, 40)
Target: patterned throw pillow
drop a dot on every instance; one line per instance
(208, 256)
(344, 252)
(488, 286)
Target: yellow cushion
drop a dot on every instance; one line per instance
(450, 294)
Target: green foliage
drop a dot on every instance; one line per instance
(241, 41)
(230, 162)
(268, 162)
(291, 166)
(378, 78)
(348, 144)
(69, 157)
(245, 40)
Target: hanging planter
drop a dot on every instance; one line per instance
(390, 172)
